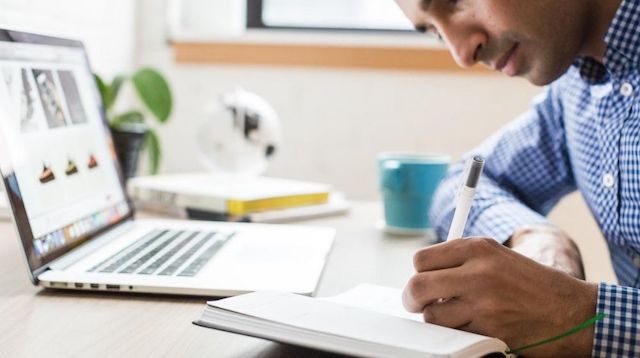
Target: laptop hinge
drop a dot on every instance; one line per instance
(90, 247)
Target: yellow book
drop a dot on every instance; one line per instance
(226, 193)
(241, 207)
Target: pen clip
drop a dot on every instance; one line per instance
(463, 177)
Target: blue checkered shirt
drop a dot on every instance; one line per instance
(582, 133)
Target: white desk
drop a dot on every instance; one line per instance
(45, 323)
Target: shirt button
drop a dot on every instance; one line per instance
(608, 180)
(626, 89)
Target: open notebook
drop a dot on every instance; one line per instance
(366, 321)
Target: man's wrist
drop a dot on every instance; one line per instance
(580, 310)
(577, 306)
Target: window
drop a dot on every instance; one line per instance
(367, 15)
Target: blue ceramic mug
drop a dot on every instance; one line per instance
(408, 182)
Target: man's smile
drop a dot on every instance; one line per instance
(507, 64)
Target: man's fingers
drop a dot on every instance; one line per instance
(451, 253)
(452, 313)
(427, 287)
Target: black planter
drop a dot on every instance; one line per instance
(128, 141)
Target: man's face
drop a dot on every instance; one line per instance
(535, 39)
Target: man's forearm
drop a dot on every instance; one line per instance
(549, 246)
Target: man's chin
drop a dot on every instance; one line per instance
(539, 81)
(543, 78)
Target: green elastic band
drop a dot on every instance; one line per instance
(573, 330)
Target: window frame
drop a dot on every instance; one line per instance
(256, 21)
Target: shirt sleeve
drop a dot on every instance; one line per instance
(527, 171)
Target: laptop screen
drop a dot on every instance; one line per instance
(57, 159)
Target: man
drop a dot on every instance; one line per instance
(582, 133)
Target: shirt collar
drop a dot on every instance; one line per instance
(623, 37)
(623, 44)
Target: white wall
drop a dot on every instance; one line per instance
(105, 26)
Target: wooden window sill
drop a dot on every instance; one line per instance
(383, 52)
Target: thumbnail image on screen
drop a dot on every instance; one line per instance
(72, 97)
(23, 98)
(51, 98)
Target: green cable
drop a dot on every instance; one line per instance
(573, 330)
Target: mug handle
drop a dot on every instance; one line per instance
(391, 176)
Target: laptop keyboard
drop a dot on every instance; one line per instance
(166, 253)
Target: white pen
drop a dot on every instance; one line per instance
(465, 198)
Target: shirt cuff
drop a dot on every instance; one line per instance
(617, 334)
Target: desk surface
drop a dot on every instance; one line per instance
(38, 322)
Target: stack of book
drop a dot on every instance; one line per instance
(226, 197)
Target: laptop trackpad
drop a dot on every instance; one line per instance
(270, 263)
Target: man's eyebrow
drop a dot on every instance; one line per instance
(425, 4)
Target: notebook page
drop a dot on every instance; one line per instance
(324, 316)
(375, 298)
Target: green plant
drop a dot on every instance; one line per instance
(154, 92)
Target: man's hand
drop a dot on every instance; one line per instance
(492, 290)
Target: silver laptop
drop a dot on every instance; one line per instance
(74, 218)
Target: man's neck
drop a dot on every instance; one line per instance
(602, 13)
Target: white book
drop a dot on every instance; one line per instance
(336, 205)
(366, 321)
(227, 193)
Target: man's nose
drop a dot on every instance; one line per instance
(466, 48)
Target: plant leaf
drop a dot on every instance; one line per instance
(152, 143)
(113, 90)
(127, 117)
(154, 92)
